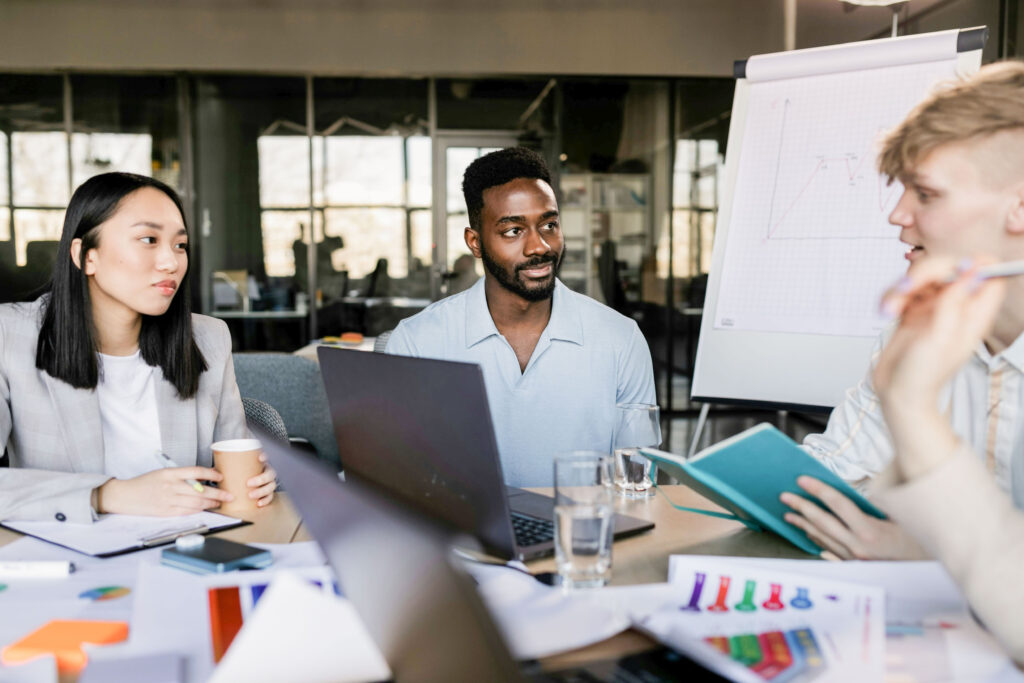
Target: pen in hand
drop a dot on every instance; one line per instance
(1003, 269)
(165, 461)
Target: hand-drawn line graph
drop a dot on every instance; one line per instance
(839, 175)
(809, 248)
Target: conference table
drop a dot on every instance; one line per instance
(639, 559)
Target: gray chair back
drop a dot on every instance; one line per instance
(381, 342)
(264, 416)
(292, 385)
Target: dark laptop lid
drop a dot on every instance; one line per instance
(420, 609)
(420, 429)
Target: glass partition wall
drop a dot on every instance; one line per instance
(322, 205)
(56, 132)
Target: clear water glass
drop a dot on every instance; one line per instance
(637, 426)
(584, 519)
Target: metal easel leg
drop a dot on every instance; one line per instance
(699, 429)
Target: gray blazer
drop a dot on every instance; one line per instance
(53, 434)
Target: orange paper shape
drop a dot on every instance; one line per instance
(63, 638)
(225, 618)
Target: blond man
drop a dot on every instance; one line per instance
(960, 158)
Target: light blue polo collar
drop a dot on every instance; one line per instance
(566, 323)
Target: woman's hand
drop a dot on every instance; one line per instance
(162, 493)
(843, 530)
(263, 485)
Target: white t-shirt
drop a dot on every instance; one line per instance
(131, 427)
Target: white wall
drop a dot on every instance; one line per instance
(390, 37)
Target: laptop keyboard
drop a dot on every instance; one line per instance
(532, 530)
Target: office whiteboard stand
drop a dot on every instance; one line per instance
(803, 249)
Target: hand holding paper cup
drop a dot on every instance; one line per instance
(239, 461)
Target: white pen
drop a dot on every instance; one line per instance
(35, 569)
(166, 535)
(1005, 269)
(165, 461)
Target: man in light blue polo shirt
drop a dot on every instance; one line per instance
(555, 362)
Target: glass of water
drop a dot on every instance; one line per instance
(584, 518)
(636, 427)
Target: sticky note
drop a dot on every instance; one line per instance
(64, 639)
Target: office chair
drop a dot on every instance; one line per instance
(40, 257)
(264, 416)
(293, 387)
(381, 342)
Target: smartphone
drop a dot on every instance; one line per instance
(215, 555)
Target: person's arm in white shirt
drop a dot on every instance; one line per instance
(855, 444)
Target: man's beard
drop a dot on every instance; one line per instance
(515, 284)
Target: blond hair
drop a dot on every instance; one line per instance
(977, 108)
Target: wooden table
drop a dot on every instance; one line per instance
(644, 558)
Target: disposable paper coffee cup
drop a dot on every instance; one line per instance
(238, 460)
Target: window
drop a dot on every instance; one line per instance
(40, 188)
(695, 209)
(5, 199)
(373, 192)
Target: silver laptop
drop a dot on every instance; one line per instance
(420, 430)
(418, 604)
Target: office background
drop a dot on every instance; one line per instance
(319, 145)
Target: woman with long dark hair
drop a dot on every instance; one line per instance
(109, 369)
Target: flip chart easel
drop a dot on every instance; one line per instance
(803, 249)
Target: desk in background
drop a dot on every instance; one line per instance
(261, 330)
(309, 350)
(368, 315)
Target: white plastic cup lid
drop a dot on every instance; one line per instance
(237, 445)
(189, 541)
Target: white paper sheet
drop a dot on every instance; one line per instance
(171, 611)
(299, 633)
(113, 533)
(538, 620)
(719, 597)
(808, 247)
(931, 635)
(27, 604)
(39, 670)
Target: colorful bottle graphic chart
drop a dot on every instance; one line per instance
(105, 593)
(784, 627)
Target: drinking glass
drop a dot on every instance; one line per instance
(636, 427)
(584, 518)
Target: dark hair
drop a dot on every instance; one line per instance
(67, 340)
(498, 168)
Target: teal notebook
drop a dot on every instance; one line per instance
(746, 473)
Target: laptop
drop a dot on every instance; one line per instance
(419, 605)
(420, 430)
